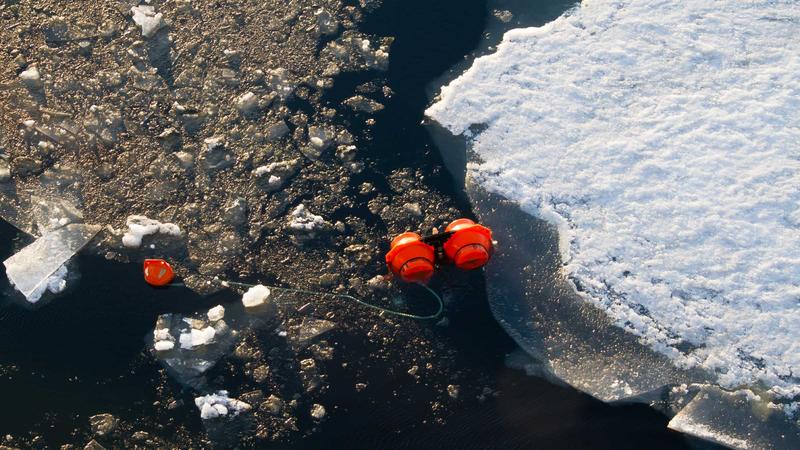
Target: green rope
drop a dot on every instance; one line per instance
(355, 299)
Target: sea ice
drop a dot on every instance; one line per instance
(200, 344)
(31, 78)
(216, 313)
(212, 406)
(40, 265)
(146, 17)
(140, 226)
(255, 296)
(305, 222)
(662, 140)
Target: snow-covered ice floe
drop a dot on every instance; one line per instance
(40, 266)
(662, 139)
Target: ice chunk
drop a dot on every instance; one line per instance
(163, 346)
(140, 226)
(50, 214)
(667, 158)
(146, 17)
(31, 270)
(194, 337)
(216, 313)
(31, 78)
(303, 222)
(301, 335)
(217, 405)
(255, 296)
(735, 419)
(247, 104)
(200, 345)
(318, 411)
(276, 174)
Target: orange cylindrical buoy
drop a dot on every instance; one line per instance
(410, 258)
(470, 246)
(158, 272)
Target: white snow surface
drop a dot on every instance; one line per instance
(663, 139)
(212, 406)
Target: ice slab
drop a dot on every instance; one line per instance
(664, 148)
(736, 419)
(191, 345)
(301, 335)
(30, 269)
(669, 161)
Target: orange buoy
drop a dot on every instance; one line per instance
(410, 258)
(158, 272)
(470, 245)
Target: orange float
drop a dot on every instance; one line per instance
(158, 272)
(410, 258)
(470, 245)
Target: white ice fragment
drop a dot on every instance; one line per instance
(216, 313)
(31, 78)
(255, 296)
(247, 104)
(163, 346)
(212, 406)
(146, 17)
(197, 337)
(304, 221)
(140, 226)
(318, 411)
(40, 265)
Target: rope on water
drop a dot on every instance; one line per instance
(354, 299)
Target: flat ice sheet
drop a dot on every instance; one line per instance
(663, 138)
(30, 268)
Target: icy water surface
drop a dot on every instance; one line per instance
(383, 382)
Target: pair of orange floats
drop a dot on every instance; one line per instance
(411, 257)
(464, 243)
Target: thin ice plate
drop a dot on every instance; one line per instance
(29, 269)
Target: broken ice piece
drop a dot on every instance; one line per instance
(216, 313)
(303, 221)
(140, 226)
(195, 338)
(255, 296)
(212, 406)
(146, 17)
(301, 335)
(247, 104)
(50, 214)
(31, 270)
(201, 345)
(31, 78)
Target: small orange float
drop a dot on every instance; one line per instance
(410, 258)
(470, 245)
(158, 272)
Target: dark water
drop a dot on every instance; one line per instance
(83, 352)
